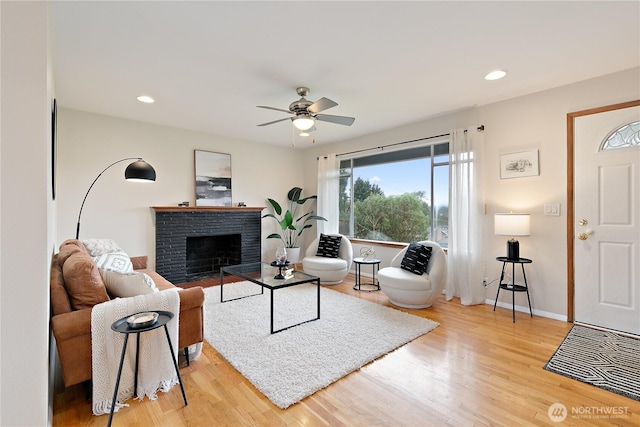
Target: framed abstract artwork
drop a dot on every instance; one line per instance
(518, 165)
(213, 178)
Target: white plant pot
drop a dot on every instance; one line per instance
(293, 255)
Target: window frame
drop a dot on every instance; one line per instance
(439, 156)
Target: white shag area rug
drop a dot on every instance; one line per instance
(293, 364)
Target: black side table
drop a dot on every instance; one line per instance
(375, 265)
(123, 327)
(512, 287)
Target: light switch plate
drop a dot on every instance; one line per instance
(552, 209)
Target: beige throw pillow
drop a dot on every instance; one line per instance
(126, 285)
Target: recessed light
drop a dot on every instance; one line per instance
(146, 99)
(304, 134)
(495, 75)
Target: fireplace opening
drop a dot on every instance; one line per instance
(207, 254)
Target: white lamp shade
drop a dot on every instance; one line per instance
(510, 224)
(303, 122)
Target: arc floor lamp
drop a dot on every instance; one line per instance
(138, 171)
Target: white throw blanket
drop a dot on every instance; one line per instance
(156, 370)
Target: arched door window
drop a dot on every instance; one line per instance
(623, 137)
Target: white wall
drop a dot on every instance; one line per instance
(121, 210)
(536, 121)
(25, 208)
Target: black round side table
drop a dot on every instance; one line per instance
(123, 327)
(512, 287)
(374, 285)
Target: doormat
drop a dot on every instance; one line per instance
(601, 358)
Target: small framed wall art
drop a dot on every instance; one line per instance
(518, 165)
(213, 178)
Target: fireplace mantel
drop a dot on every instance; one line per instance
(206, 209)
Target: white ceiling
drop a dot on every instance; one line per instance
(209, 64)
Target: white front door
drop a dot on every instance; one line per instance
(607, 222)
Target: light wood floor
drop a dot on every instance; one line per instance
(476, 368)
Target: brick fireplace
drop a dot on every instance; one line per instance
(193, 243)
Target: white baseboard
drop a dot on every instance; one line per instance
(525, 309)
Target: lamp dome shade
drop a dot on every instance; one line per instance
(303, 122)
(140, 171)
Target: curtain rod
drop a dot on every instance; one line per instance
(382, 147)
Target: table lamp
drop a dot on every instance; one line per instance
(512, 224)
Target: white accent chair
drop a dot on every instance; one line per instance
(331, 271)
(409, 290)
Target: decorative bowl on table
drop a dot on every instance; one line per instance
(142, 320)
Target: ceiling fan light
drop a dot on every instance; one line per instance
(303, 122)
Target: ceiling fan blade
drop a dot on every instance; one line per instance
(321, 105)
(275, 121)
(273, 108)
(341, 120)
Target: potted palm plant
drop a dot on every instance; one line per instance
(292, 226)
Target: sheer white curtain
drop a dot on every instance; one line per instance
(465, 217)
(328, 189)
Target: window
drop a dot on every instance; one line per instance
(398, 196)
(623, 137)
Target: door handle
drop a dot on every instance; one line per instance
(585, 234)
